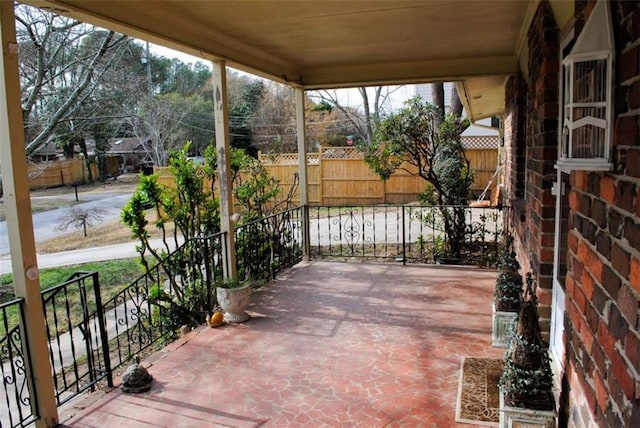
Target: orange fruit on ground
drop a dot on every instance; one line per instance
(216, 319)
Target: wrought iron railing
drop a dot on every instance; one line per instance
(76, 334)
(14, 368)
(408, 233)
(88, 341)
(177, 290)
(266, 246)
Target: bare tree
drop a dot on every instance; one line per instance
(63, 63)
(81, 218)
(373, 101)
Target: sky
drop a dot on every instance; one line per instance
(347, 97)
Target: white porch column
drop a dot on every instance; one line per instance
(301, 133)
(19, 221)
(221, 113)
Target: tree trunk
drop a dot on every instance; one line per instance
(455, 106)
(437, 93)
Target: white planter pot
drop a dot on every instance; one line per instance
(517, 417)
(234, 302)
(503, 325)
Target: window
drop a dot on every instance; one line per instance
(587, 96)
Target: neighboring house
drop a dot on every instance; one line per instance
(48, 152)
(51, 152)
(134, 153)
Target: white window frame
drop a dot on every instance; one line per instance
(595, 43)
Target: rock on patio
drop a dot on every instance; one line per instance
(328, 345)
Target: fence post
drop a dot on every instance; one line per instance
(103, 329)
(320, 178)
(404, 248)
(207, 270)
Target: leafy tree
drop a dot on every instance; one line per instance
(419, 135)
(243, 106)
(172, 75)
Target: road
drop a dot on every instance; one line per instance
(45, 224)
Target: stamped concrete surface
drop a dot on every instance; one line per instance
(328, 345)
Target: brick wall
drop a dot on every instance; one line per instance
(514, 133)
(535, 236)
(603, 284)
(602, 319)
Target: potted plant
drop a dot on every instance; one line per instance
(508, 296)
(526, 397)
(233, 297)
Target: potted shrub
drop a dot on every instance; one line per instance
(233, 297)
(526, 397)
(508, 296)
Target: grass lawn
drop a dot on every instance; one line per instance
(113, 275)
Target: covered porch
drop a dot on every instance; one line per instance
(328, 344)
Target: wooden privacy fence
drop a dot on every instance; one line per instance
(339, 176)
(59, 173)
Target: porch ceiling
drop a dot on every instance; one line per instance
(323, 44)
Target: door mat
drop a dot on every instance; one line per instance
(478, 394)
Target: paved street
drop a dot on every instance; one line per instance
(45, 224)
(86, 255)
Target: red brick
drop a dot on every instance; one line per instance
(620, 260)
(608, 189)
(625, 194)
(547, 240)
(602, 392)
(572, 242)
(632, 233)
(579, 180)
(587, 284)
(605, 339)
(638, 203)
(546, 255)
(628, 305)
(595, 266)
(578, 297)
(589, 395)
(633, 163)
(622, 375)
(574, 312)
(629, 61)
(634, 93)
(632, 348)
(634, 275)
(626, 131)
(570, 284)
(577, 267)
(583, 252)
(586, 335)
(544, 296)
(574, 201)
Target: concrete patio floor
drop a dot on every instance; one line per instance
(328, 345)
